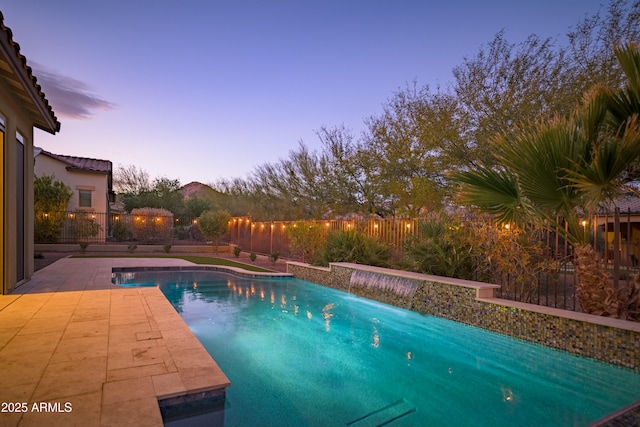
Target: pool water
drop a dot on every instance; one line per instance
(299, 354)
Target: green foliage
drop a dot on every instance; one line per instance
(356, 247)
(402, 163)
(510, 257)
(563, 167)
(50, 204)
(152, 225)
(273, 256)
(237, 251)
(167, 248)
(441, 248)
(164, 193)
(121, 230)
(253, 256)
(132, 247)
(195, 206)
(83, 226)
(306, 239)
(214, 225)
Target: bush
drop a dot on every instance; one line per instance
(121, 230)
(50, 205)
(236, 251)
(151, 225)
(306, 239)
(83, 227)
(440, 247)
(214, 225)
(253, 256)
(274, 256)
(356, 247)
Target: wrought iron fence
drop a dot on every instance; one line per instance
(553, 284)
(102, 228)
(615, 236)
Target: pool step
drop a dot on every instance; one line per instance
(385, 415)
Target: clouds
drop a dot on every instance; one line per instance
(70, 98)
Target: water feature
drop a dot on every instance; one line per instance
(304, 355)
(394, 290)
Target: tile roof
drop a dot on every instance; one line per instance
(22, 82)
(626, 204)
(80, 163)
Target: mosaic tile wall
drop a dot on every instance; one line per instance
(612, 345)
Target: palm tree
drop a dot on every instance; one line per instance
(554, 173)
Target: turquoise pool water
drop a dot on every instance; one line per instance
(299, 354)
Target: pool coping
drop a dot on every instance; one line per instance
(199, 267)
(114, 354)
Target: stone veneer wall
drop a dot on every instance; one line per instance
(610, 340)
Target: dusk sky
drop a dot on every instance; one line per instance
(199, 90)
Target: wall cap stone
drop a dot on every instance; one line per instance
(479, 286)
(305, 265)
(567, 314)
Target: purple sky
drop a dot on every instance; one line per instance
(205, 89)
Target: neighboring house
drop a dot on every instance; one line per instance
(23, 106)
(90, 180)
(629, 223)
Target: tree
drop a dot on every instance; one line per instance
(406, 145)
(195, 206)
(558, 171)
(164, 193)
(130, 179)
(214, 225)
(505, 84)
(50, 205)
(306, 239)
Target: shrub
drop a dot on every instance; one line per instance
(236, 251)
(151, 225)
(167, 248)
(354, 246)
(306, 239)
(50, 205)
(121, 230)
(273, 256)
(440, 247)
(511, 258)
(214, 225)
(132, 247)
(253, 256)
(83, 227)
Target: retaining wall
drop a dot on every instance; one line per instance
(610, 340)
(141, 248)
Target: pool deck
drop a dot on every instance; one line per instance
(77, 350)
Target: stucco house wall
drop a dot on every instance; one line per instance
(81, 174)
(23, 106)
(77, 179)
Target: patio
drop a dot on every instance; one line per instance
(78, 350)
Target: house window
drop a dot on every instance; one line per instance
(84, 198)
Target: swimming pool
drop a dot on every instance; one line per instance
(300, 354)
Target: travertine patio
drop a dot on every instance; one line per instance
(94, 353)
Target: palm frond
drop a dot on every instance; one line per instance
(604, 177)
(495, 192)
(540, 157)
